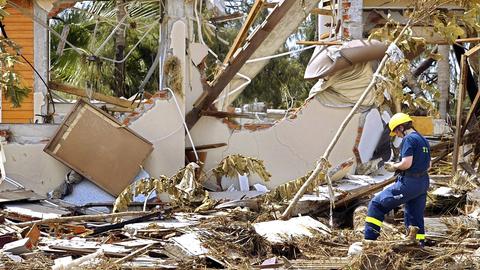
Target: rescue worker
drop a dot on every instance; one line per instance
(411, 184)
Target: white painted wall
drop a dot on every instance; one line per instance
(33, 168)
(163, 127)
(289, 149)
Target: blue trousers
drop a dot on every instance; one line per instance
(410, 191)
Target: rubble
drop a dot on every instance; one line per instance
(135, 190)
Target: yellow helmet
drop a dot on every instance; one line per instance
(396, 120)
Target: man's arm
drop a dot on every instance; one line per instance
(405, 164)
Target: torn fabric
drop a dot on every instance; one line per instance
(345, 87)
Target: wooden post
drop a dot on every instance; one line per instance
(458, 124)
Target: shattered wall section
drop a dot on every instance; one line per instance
(162, 122)
(289, 149)
(33, 168)
(163, 127)
(26, 162)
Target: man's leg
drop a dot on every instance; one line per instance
(415, 209)
(379, 206)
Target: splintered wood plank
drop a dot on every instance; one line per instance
(243, 33)
(458, 126)
(98, 96)
(278, 13)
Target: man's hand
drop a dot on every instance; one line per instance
(389, 167)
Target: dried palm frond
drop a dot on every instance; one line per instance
(234, 165)
(182, 187)
(461, 182)
(236, 242)
(173, 72)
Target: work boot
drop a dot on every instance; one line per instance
(412, 233)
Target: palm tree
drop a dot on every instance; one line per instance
(94, 68)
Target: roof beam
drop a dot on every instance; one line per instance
(238, 61)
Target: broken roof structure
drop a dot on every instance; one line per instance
(175, 180)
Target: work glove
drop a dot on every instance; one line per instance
(389, 167)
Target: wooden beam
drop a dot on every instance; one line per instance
(322, 11)
(236, 64)
(97, 96)
(243, 33)
(471, 111)
(205, 146)
(461, 96)
(227, 18)
(472, 50)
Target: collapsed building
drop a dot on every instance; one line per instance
(89, 158)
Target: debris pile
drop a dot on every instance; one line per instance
(232, 233)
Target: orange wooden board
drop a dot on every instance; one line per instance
(20, 29)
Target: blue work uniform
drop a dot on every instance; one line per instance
(410, 189)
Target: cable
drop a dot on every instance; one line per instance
(2, 28)
(279, 55)
(120, 23)
(184, 123)
(134, 47)
(200, 35)
(258, 60)
(236, 89)
(45, 83)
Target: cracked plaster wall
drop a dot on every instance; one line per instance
(27, 163)
(289, 149)
(33, 168)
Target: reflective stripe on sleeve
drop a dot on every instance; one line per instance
(374, 221)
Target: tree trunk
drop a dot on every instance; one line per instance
(444, 79)
(120, 40)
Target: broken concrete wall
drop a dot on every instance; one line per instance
(162, 124)
(33, 168)
(289, 149)
(163, 127)
(27, 163)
